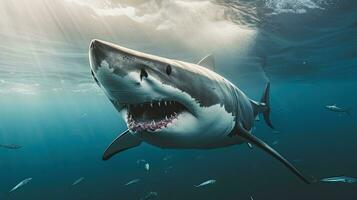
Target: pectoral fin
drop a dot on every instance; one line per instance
(265, 147)
(124, 141)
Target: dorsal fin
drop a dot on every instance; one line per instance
(208, 62)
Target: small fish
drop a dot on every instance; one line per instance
(22, 183)
(251, 197)
(250, 145)
(342, 179)
(335, 108)
(150, 195)
(140, 161)
(77, 181)
(209, 182)
(275, 142)
(132, 182)
(147, 166)
(10, 146)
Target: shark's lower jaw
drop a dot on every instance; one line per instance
(153, 116)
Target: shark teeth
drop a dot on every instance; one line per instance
(151, 104)
(150, 126)
(152, 115)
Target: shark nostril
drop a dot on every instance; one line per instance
(143, 73)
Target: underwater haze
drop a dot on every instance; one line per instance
(55, 122)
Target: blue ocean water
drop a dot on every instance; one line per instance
(50, 105)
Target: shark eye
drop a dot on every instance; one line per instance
(168, 69)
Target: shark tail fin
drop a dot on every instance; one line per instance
(265, 105)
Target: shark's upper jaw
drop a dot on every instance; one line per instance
(154, 115)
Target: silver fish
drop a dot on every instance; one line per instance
(77, 181)
(342, 179)
(209, 182)
(132, 182)
(335, 108)
(22, 183)
(10, 146)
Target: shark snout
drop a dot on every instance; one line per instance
(101, 46)
(119, 71)
(127, 75)
(98, 52)
(93, 43)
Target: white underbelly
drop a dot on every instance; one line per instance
(168, 142)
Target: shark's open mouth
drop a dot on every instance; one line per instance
(151, 116)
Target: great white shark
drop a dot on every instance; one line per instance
(175, 104)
